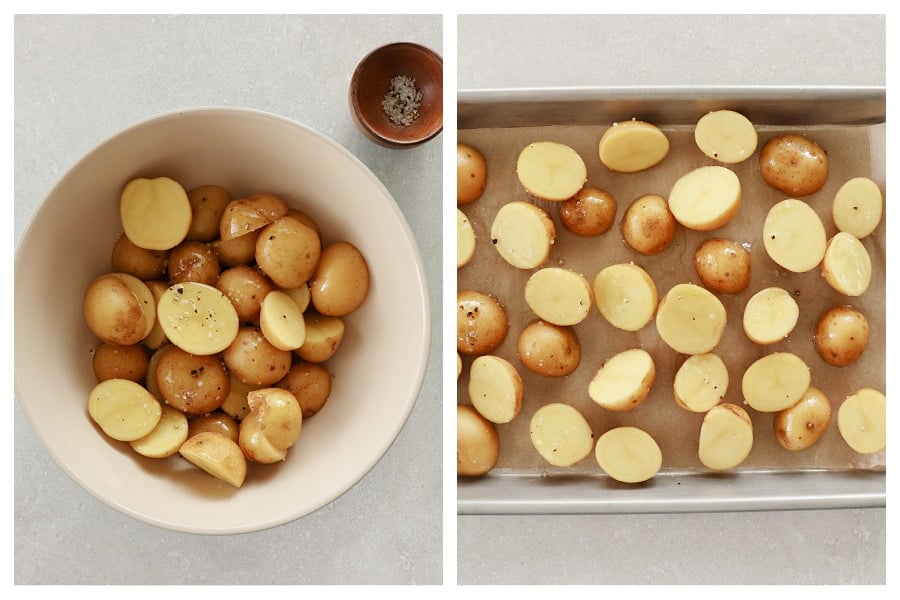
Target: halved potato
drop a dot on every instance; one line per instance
(477, 442)
(551, 171)
(800, 426)
(775, 381)
(628, 454)
(690, 319)
(726, 437)
(623, 382)
(560, 434)
(862, 421)
(197, 318)
(465, 239)
(218, 455)
(770, 315)
(281, 321)
(631, 146)
(166, 438)
(847, 266)
(857, 207)
(123, 409)
(156, 213)
(794, 236)
(559, 296)
(706, 198)
(523, 234)
(626, 296)
(495, 388)
(246, 215)
(701, 382)
(726, 136)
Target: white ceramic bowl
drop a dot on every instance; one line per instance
(378, 369)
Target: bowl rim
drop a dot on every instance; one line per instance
(423, 303)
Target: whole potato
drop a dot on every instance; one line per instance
(112, 361)
(311, 385)
(341, 280)
(481, 322)
(793, 164)
(648, 225)
(842, 334)
(548, 349)
(246, 287)
(193, 261)
(113, 312)
(471, 174)
(723, 266)
(588, 213)
(254, 360)
(477, 443)
(191, 383)
(288, 252)
(803, 424)
(140, 262)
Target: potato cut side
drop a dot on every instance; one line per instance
(281, 321)
(624, 380)
(775, 381)
(523, 234)
(726, 437)
(300, 295)
(705, 198)
(726, 136)
(559, 296)
(551, 171)
(862, 421)
(246, 215)
(123, 409)
(628, 454)
(847, 266)
(626, 296)
(701, 382)
(561, 434)
(166, 438)
(235, 405)
(690, 319)
(495, 389)
(770, 315)
(794, 236)
(197, 318)
(465, 239)
(857, 207)
(218, 455)
(632, 146)
(156, 213)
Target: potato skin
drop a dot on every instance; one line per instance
(113, 313)
(590, 212)
(549, 350)
(254, 360)
(287, 251)
(140, 262)
(310, 383)
(793, 164)
(471, 174)
(842, 334)
(648, 225)
(193, 261)
(341, 280)
(246, 287)
(208, 204)
(112, 361)
(723, 266)
(804, 424)
(191, 383)
(481, 322)
(477, 443)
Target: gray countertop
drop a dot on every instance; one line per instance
(80, 79)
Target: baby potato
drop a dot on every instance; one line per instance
(156, 337)
(559, 295)
(846, 265)
(495, 389)
(477, 443)
(235, 405)
(112, 361)
(700, 382)
(323, 337)
(706, 198)
(193, 261)
(217, 421)
(857, 207)
(236, 251)
(623, 382)
(862, 421)
(726, 437)
(281, 321)
(648, 225)
(287, 251)
(723, 266)
(770, 315)
(340, 282)
(726, 136)
(550, 171)
(632, 146)
(481, 322)
(150, 380)
(272, 426)
(208, 204)
(142, 263)
(155, 213)
(588, 213)
(690, 319)
(549, 350)
(115, 309)
(217, 455)
(193, 384)
(560, 434)
(794, 236)
(523, 234)
(123, 409)
(471, 174)
(310, 383)
(465, 239)
(197, 318)
(800, 426)
(626, 296)
(166, 438)
(793, 164)
(246, 215)
(306, 219)
(775, 381)
(254, 359)
(628, 454)
(842, 335)
(245, 287)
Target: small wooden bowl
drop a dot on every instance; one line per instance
(371, 83)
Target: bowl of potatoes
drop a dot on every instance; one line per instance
(203, 330)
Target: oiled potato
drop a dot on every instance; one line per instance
(287, 251)
(551, 171)
(246, 215)
(123, 409)
(166, 438)
(632, 146)
(523, 234)
(477, 443)
(471, 174)
(559, 295)
(624, 381)
(775, 381)
(156, 213)
(800, 426)
(272, 426)
(726, 136)
(495, 388)
(648, 225)
(723, 266)
(217, 421)
(770, 315)
(281, 321)
(113, 361)
(245, 287)
(193, 261)
(793, 164)
(857, 207)
(304, 218)
(254, 359)
(191, 383)
(235, 405)
(706, 198)
(310, 383)
(236, 251)
(140, 262)
(560, 434)
(588, 213)
(862, 421)
(150, 381)
(847, 266)
(115, 309)
(726, 437)
(549, 350)
(323, 337)
(628, 454)
(208, 204)
(465, 239)
(197, 318)
(217, 455)
(794, 236)
(690, 319)
(340, 282)
(626, 296)
(842, 335)
(481, 322)
(157, 337)
(701, 382)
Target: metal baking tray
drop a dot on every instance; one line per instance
(511, 488)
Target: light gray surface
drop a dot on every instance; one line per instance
(823, 546)
(80, 79)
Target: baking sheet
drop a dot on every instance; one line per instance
(848, 125)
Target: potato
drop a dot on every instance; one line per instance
(847, 266)
(794, 236)
(800, 426)
(723, 266)
(706, 198)
(323, 337)
(340, 282)
(247, 215)
(288, 251)
(560, 434)
(549, 350)
(150, 380)
(235, 405)
(495, 389)
(624, 380)
(300, 295)
(632, 146)
(862, 421)
(481, 322)
(217, 421)
(237, 251)
(793, 164)
(166, 438)
(254, 359)
(156, 213)
(842, 335)
(208, 204)
(628, 454)
(217, 455)
(115, 306)
(770, 315)
(193, 261)
(465, 239)
(690, 319)
(304, 218)
(193, 384)
(523, 234)
(726, 437)
(245, 287)
(648, 225)
(197, 318)
(726, 136)
(157, 337)
(112, 361)
(477, 443)
(550, 171)
(272, 426)
(140, 262)
(123, 409)
(281, 321)
(310, 383)
(559, 296)
(471, 174)
(857, 207)
(626, 296)
(701, 382)
(775, 381)
(588, 213)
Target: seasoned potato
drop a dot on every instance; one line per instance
(471, 174)
(770, 315)
(112, 361)
(857, 207)
(549, 350)
(551, 171)
(166, 438)
(254, 359)
(701, 382)
(236, 251)
(115, 309)
(477, 443)
(588, 213)
(340, 282)
(150, 380)
(559, 296)
(157, 337)
(495, 388)
(560, 434)
(217, 421)
(624, 381)
(842, 335)
(465, 239)
(272, 426)
(632, 146)
(140, 262)
(217, 455)
(626, 296)
(847, 266)
(794, 236)
(323, 337)
(723, 266)
(648, 225)
(300, 295)
(706, 198)
(193, 261)
(726, 437)
(726, 136)
(156, 213)
(481, 322)
(123, 409)
(628, 454)
(304, 218)
(281, 321)
(800, 426)
(208, 204)
(523, 234)
(793, 164)
(287, 251)
(247, 215)
(775, 382)
(197, 318)
(245, 287)
(310, 383)
(690, 319)
(191, 383)
(862, 421)
(235, 405)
